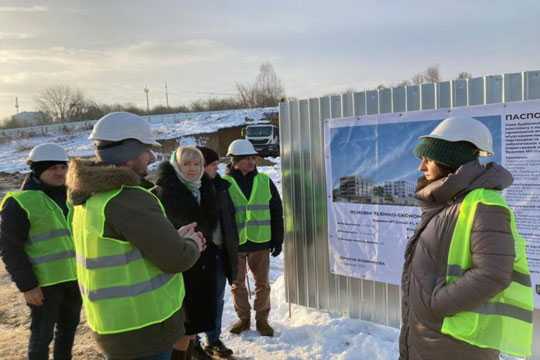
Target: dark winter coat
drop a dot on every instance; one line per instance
(229, 232)
(14, 230)
(182, 209)
(135, 216)
(426, 298)
(276, 211)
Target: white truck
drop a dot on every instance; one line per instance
(263, 135)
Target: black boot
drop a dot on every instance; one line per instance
(218, 349)
(198, 352)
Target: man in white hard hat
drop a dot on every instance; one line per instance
(37, 248)
(259, 220)
(466, 285)
(129, 256)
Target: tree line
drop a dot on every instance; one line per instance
(63, 103)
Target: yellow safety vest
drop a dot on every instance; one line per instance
(121, 290)
(505, 322)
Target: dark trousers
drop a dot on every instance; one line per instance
(213, 335)
(61, 308)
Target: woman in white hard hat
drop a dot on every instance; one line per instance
(465, 284)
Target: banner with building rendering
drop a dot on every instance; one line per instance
(371, 176)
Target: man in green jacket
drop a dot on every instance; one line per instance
(129, 256)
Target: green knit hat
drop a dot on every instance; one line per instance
(451, 154)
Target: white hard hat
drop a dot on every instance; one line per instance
(47, 152)
(241, 147)
(464, 128)
(118, 126)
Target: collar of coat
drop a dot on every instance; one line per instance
(87, 177)
(468, 177)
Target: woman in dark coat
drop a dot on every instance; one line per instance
(188, 197)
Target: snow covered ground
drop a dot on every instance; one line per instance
(14, 151)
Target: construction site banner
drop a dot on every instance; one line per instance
(371, 176)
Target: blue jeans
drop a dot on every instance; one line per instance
(213, 335)
(61, 309)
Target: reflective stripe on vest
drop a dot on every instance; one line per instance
(505, 322)
(253, 215)
(49, 246)
(121, 290)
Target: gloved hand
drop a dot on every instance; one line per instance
(275, 250)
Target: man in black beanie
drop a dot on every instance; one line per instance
(37, 249)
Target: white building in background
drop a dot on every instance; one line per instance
(400, 188)
(355, 186)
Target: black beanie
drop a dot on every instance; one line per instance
(209, 155)
(39, 167)
(448, 153)
(120, 152)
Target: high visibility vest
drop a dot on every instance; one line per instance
(121, 290)
(49, 246)
(505, 322)
(253, 215)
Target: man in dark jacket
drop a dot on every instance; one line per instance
(37, 248)
(259, 219)
(131, 222)
(226, 240)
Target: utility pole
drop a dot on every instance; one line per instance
(166, 95)
(146, 90)
(17, 104)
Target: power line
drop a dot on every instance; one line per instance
(146, 90)
(166, 94)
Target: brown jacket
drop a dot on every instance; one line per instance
(135, 216)
(426, 298)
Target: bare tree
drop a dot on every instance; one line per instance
(418, 79)
(267, 90)
(464, 75)
(432, 74)
(62, 103)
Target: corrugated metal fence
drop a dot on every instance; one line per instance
(307, 276)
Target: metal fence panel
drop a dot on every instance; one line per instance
(513, 87)
(532, 85)
(444, 95)
(326, 113)
(413, 98)
(459, 93)
(318, 199)
(399, 97)
(372, 101)
(309, 261)
(428, 96)
(476, 91)
(494, 89)
(360, 103)
(385, 100)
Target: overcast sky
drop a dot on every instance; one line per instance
(112, 49)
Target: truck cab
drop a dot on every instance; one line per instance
(264, 137)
